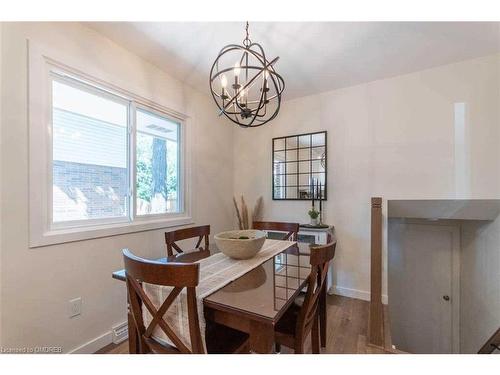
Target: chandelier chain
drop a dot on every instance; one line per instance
(247, 41)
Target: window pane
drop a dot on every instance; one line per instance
(157, 170)
(89, 155)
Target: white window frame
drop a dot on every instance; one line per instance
(42, 68)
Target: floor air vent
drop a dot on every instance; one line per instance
(120, 333)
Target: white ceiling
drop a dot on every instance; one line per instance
(314, 56)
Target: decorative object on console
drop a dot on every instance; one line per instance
(314, 215)
(253, 99)
(242, 214)
(300, 166)
(320, 197)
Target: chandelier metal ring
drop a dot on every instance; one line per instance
(254, 100)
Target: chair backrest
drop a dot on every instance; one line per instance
(183, 234)
(292, 229)
(320, 257)
(176, 275)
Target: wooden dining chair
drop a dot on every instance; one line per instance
(202, 232)
(322, 301)
(292, 229)
(178, 276)
(303, 318)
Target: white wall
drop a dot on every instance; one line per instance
(36, 284)
(393, 138)
(479, 283)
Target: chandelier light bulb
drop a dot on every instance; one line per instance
(223, 81)
(237, 69)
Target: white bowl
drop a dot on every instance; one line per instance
(231, 244)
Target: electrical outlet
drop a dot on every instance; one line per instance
(75, 307)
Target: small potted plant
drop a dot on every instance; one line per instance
(314, 215)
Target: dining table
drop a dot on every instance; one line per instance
(254, 302)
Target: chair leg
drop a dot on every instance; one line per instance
(315, 336)
(133, 337)
(245, 349)
(145, 349)
(299, 347)
(322, 317)
(277, 347)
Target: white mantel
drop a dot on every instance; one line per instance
(458, 209)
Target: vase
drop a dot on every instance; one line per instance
(314, 221)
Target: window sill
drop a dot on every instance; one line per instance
(53, 237)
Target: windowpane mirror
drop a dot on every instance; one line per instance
(298, 160)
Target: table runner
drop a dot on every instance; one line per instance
(216, 271)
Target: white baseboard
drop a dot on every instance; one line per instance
(354, 293)
(94, 345)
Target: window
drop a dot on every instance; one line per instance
(90, 177)
(92, 180)
(157, 164)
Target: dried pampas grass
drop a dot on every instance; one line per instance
(242, 214)
(257, 210)
(240, 224)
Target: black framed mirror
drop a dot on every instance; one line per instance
(299, 163)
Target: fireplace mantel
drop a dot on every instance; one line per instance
(445, 209)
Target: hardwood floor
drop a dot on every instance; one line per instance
(347, 330)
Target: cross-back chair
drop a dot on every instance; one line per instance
(202, 232)
(178, 276)
(292, 229)
(300, 320)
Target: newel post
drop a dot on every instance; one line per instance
(375, 326)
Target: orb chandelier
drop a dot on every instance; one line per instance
(244, 84)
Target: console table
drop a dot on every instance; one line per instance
(312, 235)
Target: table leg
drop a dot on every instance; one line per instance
(133, 339)
(322, 317)
(261, 337)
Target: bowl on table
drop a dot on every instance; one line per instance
(240, 244)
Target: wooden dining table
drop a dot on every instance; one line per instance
(254, 302)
